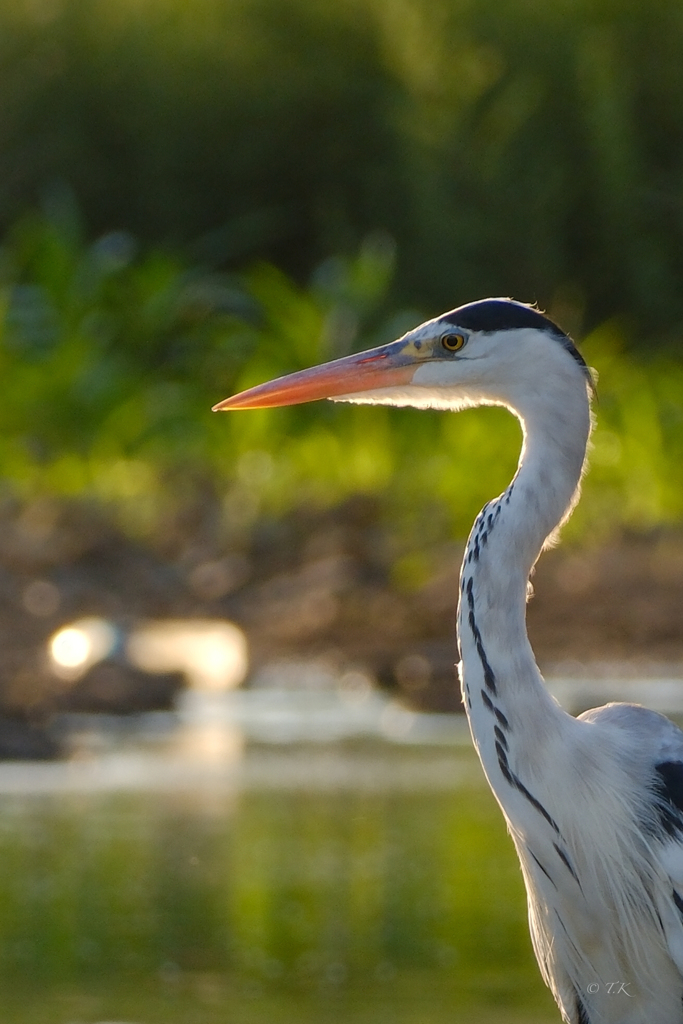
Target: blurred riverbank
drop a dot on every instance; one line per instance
(320, 589)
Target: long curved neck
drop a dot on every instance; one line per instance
(501, 681)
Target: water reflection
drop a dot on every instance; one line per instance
(348, 882)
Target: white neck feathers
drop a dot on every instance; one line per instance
(508, 536)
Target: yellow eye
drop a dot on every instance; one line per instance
(453, 342)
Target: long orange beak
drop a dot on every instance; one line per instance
(383, 367)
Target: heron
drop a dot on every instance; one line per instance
(594, 804)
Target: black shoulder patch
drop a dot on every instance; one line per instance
(669, 785)
(490, 315)
(581, 1012)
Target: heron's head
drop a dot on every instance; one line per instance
(490, 351)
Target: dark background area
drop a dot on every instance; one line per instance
(513, 148)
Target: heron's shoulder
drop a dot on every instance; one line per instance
(663, 739)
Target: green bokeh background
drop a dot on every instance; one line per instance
(197, 197)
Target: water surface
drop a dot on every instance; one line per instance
(356, 882)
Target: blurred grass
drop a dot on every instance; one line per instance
(111, 356)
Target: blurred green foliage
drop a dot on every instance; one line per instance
(111, 358)
(518, 147)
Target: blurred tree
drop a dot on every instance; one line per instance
(511, 148)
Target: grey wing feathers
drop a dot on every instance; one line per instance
(655, 750)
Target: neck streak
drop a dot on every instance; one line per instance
(499, 672)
